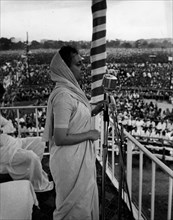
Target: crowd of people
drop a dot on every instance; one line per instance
(136, 81)
(154, 75)
(65, 122)
(151, 79)
(144, 119)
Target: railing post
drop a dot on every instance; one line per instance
(130, 146)
(170, 198)
(153, 190)
(140, 184)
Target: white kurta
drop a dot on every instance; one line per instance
(73, 167)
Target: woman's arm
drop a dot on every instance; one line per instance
(61, 136)
(95, 109)
(64, 107)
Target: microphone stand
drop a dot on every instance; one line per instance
(108, 84)
(122, 175)
(105, 151)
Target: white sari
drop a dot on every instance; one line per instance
(72, 167)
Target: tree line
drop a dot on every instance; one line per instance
(10, 44)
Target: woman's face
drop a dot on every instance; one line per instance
(77, 67)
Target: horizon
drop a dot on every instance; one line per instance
(16, 40)
(127, 20)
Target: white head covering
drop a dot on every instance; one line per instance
(64, 78)
(65, 82)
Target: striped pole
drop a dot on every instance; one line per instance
(98, 49)
(98, 69)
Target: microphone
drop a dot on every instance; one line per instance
(109, 82)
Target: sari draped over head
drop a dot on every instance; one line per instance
(72, 166)
(65, 82)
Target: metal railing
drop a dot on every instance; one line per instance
(111, 165)
(17, 110)
(134, 147)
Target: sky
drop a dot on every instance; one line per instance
(72, 19)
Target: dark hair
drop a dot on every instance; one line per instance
(66, 53)
(2, 90)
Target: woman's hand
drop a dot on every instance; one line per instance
(93, 135)
(99, 107)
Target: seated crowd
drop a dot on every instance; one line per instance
(153, 75)
(132, 109)
(142, 118)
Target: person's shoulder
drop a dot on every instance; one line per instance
(57, 95)
(65, 97)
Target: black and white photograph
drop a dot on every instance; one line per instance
(86, 109)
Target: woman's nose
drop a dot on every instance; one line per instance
(83, 68)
